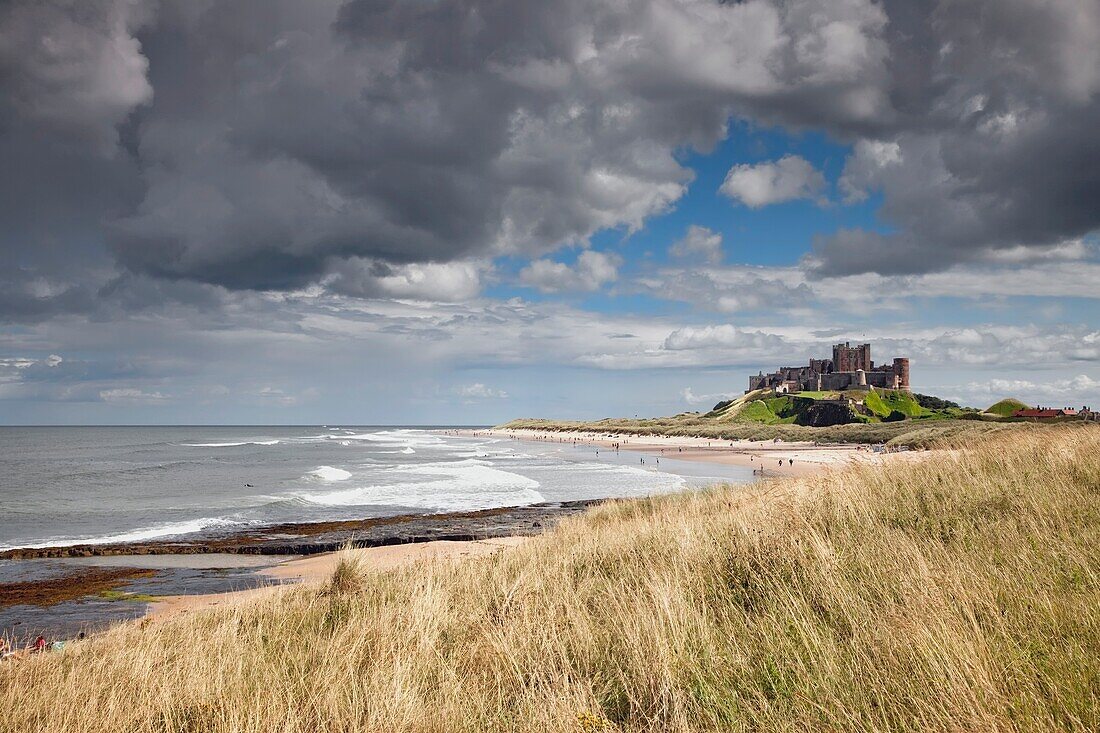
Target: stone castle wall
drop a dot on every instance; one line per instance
(850, 368)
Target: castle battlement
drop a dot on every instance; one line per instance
(850, 368)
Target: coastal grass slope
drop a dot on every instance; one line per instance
(894, 417)
(956, 591)
(908, 433)
(1005, 408)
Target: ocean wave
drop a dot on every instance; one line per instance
(328, 473)
(407, 437)
(159, 531)
(454, 486)
(231, 445)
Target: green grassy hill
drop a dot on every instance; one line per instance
(762, 407)
(896, 418)
(1005, 408)
(894, 405)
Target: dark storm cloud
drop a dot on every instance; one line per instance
(996, 147)
(275, 144)
(286, 144)
(70, 75)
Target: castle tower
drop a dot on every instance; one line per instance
(848, 358)
(901, 371)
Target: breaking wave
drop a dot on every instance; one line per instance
(453, 486)
(328, 473)
(159, 531)
(231, 445)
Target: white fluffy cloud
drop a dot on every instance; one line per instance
(864, 166)
(699, 242)
(691, 398)
(131, 395)
(591, 271)
(787, 179)
(447, 282)
(478, 391)
(1071, 387)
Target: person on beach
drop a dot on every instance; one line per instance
(39, 645)
(790, 461)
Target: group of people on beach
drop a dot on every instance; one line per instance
(760, 471)
(39, 646)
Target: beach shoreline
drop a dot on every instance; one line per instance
(311, 538)
(307, 552)
(775, 458)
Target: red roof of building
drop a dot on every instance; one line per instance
(1044, 413)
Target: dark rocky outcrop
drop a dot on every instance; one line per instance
(310, 538)
(823, 413)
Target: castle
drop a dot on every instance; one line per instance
(850, 368)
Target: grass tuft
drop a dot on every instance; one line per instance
(349, 576)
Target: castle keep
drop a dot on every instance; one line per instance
(850, 368)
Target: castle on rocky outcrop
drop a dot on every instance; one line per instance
(850, 368)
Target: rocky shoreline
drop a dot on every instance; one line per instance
(312, 538)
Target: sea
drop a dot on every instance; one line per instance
(99, 485)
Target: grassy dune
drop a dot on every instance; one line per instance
(911, 433)
(961, 593)
(1006, 408)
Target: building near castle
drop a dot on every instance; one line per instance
(850, 368)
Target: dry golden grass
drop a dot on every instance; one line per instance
(957, 593)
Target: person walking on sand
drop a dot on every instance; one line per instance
(790, 461)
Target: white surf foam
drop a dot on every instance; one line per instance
(170, 529)
(231, 445)
(328, 473)
(408, 450)
(453, 486)
(405, 437)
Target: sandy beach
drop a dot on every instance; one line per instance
(317, 569)
(775, 458)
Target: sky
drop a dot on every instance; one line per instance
(463, 211)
